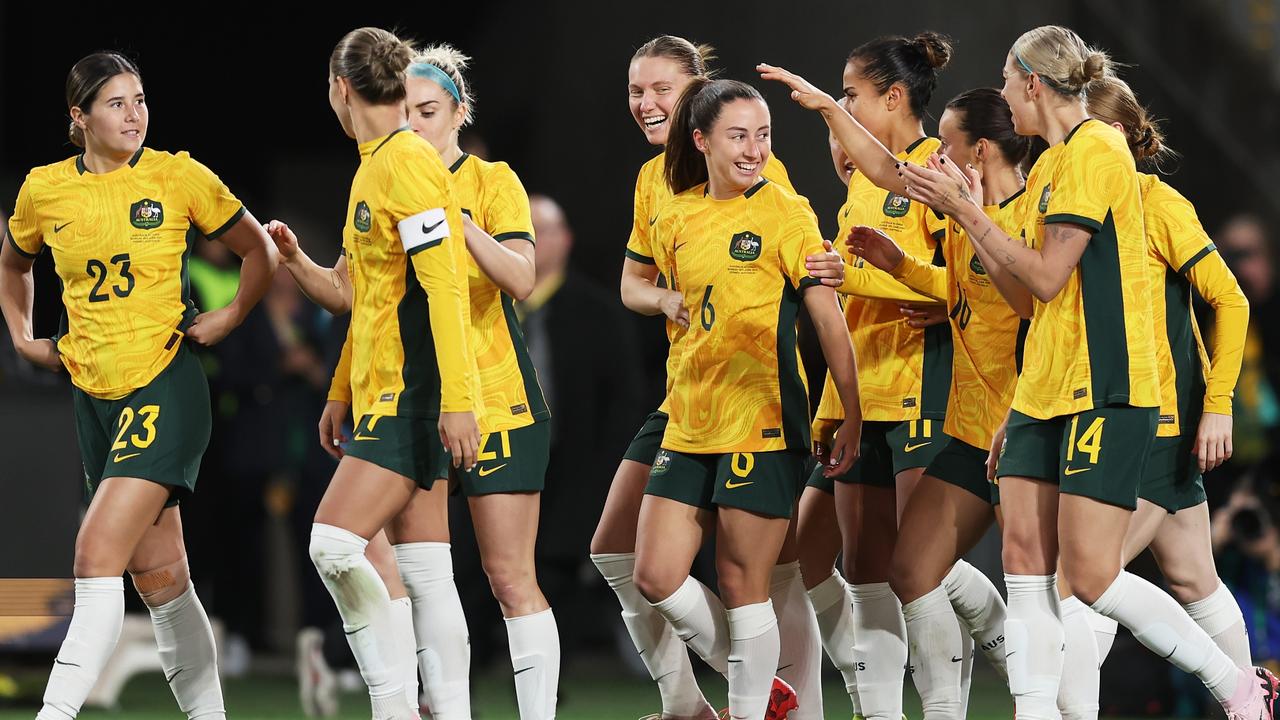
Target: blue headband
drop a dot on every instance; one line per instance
(1047, 81)
(428, 71)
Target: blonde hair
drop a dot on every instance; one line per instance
(1060, 58)
(1111, 100)
(452, 62)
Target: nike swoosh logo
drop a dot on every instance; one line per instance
(486, 472)
(1075, 471)
(956, 659)
(353, 632)
(653, 220)
(784, 667)
(59, 662)
(691, 637)
(428, 230)
(1171, 652)
(524, 669)
(729, 485)
(366, 437)
(58, 228)
(174, 675)
(913, 448)
(122, 458)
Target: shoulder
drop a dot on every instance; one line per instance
(919, 151)
(497, 176)
(1095, 140)
(48, 176)
(407, 156)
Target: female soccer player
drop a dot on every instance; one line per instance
(734, 448)
(413, 381)
(504, 490)
(1194, 428)
(904, 372)
(1082, 423)
(659, 72)
(117, 218)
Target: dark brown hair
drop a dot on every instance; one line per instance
(86, 79)
(913, 62)
(982, 113)
(373, 60)
(698, 109)
(692, 59)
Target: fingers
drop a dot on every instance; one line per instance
(470, 446)
(1227, 449)
(844, 453)
(682, 317)
(331, 435)
(1202, 451)
(991, 466)
(455, 449)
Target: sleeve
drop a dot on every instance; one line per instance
(210, 205)
(24, 226)
(640, 245)
(775, 171)
(800, 238)
(507, 215)
(1088, 180)
(935, 223)
(340, 386)
(420, 201)
(1215, 283)
(925, 278)
(873, 283)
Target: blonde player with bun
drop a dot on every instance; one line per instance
(412, 379)
(117, 219)
(659, 72)
(1082, 424)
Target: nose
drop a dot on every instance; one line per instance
(647, 101)
(753, 149)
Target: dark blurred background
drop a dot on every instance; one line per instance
(244, 90)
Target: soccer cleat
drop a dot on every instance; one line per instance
(317, 687)
(782, 700)
(1260, 704)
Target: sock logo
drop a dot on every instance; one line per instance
(860, 667)
(992, 645)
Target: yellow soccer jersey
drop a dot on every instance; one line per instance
(986, 334)
(120, 247)
(903, 372)
(1182, 256)
(510, 395)
(651, 194)
(738, 385)
(410, 354)
(1093, 344)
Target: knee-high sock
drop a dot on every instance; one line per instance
(980, 608)
(832, 605)
(406, 660)
(365, 608)
(664, 654)
(800, 657)
(753, 659)
(1219, 615)
(937, 654)
(699, 619)
(880, 646)
(1078, 690)
(535, 659)
(966, 669)
(1164, 627)
(443, 642)
(92, 637)
(1033, 645)
(1104, 632)
(188, 655)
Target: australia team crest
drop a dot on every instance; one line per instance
(896, 205)
(745, 246)
(146, 214)
(364, 217)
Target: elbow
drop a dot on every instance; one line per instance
(522, 291)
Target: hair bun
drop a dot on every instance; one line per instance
(934, 48)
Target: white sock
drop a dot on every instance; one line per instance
(1219, 615)
(753, 659)
(966, 668)
(1164, 628)
(406, 647)
(365, 608)
(699, 619)
(1078, 690)
(535, 658)
(1033, 645)
(443, 643)
(800, 657)
(92, 637)
(1104, 632)
(188, 655)
(980, 608)
(933, 636)
(833, 608)
(880, 650)
(663, 652)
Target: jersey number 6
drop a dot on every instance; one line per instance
(708, 310)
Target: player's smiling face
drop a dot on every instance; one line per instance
(865, 103)
(433, 114)
(736, 147)
(654, 84)
(116, 122)
(1016, 91)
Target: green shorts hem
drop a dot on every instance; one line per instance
(765, 483)
(509, 461)
(1173, 479)
(407, 446)
(648, 440)
(964, 466)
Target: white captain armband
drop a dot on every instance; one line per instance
(424, 230)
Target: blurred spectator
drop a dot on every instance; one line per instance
(1247, 544)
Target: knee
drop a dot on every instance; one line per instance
(739, 586)
(1089, 580)
(1023, 553)
(333, 550)
(1192, 589)
(654, 582)
(161, 585)
(906, 579)
(513, 584)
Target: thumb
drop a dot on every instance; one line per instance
(826, 245)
